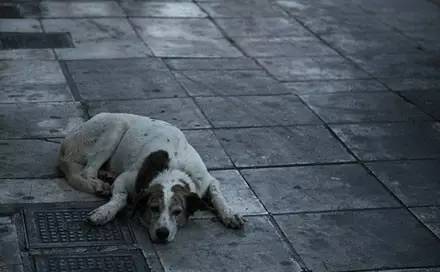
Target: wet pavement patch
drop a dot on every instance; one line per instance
(10, 11)
(18, 40)
(126, 261)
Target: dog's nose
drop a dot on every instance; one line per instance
(162, 233)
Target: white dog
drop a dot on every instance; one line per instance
(153, 164)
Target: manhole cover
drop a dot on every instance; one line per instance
(66, 227)
(127, 261)
(18, 40)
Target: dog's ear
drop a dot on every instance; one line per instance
(155, 163)
(194, 203)
(141, 198)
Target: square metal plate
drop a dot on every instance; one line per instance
(62, 226)
(124, 261)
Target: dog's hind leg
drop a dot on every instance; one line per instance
(102, 150)
(72, 172)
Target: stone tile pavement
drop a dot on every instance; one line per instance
(320, 118)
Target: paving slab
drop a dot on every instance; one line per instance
(284, 47)
(335, 86)
(181, 112)
(428, 101)
(20, 25)
(391, 141)
(397, 6)
(281, 146)
(237, 194)
(413, 21)
(98, 38)
(50, 9)
(262, 27)
(363, 107)
(30, 72)
(28, 158)
(209, 148)
(413, 182)
(355, 240)
(212, 64)
(412, 84)
(398, 65)
(224, 83)
(17, 191)
(184, 38)
(10, 259)
(27, 54)
(123, 79)
(312, 68)
(230, 8)
(35, 93)
(204, 245)
(369, 44)
(428, 40)
(39, 119)
(430, 216)
(162, 9)
(242, 111)
(317, 188)
(306, 9)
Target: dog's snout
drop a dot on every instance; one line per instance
(162, 233)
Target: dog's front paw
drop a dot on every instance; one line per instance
(233, 221)
(100, 216)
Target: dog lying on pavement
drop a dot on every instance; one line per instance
(153, 165)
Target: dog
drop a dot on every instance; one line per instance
(153, 166)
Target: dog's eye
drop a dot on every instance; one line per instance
(154, 209)
(177, 212)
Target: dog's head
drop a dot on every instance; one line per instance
(163, 197)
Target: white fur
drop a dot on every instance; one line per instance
(125, 140)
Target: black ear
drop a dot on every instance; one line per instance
(194, 203)
(155, 163)
(138, 201)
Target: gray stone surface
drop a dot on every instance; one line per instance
(284, 47)
(281, 145)
(212, 64)
(428, 101)
(352, 240)
(413, 182)
(123, 79)
(363, 107)
(162, 9)
(317, 188)
(98, 38)
(181, 112)
(184, 38)
(39, 120)
(69, 9)
(428, 40)
(207, 246)
(223, 83)
(245, 111)
(35, 93)
(368, 44)
(28, 158)
(237, 193)
(27, 54)
(20, 25)
(261, 27)
(430, 216)
(230, 8)
(398, 65)
(13, 191)
(30, 72)
(10, 258)
(391, 141)
(209, 148)
(312, 68)
(412, 84)
(334, 86)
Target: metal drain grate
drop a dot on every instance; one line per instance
(10, 11)
(127, 261)
(66, 227)
(18, 40)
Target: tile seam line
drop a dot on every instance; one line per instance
(370, 172)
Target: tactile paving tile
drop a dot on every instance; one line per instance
(126, 261)
(61, 227)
